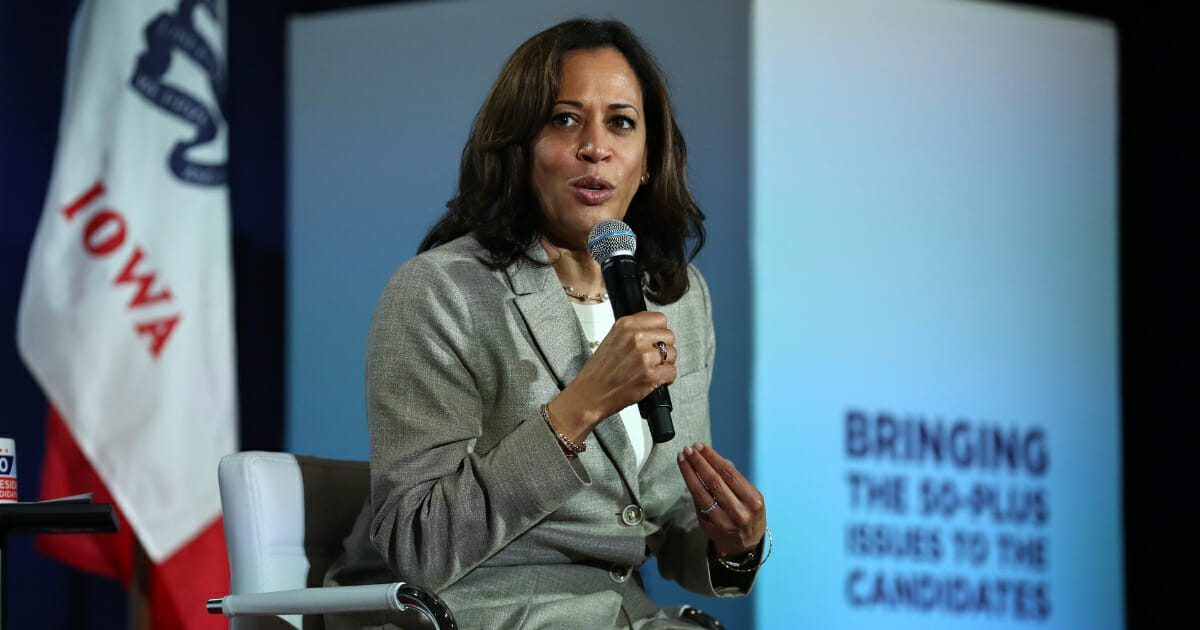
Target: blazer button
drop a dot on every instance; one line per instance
(632, 515)
(619, 574)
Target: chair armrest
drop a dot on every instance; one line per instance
(398, 596)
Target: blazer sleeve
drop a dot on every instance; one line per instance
(440, 509)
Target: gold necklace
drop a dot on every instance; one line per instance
(583, 296)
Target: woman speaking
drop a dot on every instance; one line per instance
(511, 471)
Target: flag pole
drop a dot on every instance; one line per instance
(139, 588)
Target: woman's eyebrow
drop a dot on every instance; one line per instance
(580, 104)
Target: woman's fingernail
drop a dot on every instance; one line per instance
(679, 457)
(699, 446)
(688, 451)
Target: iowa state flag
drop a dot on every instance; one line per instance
(126, 316)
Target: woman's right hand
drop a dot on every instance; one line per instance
(626, 367)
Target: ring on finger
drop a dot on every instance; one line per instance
(710, 508)
(662, 349)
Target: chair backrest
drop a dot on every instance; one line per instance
(285, 518)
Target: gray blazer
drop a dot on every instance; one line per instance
(472, 497)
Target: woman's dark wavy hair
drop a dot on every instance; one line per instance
(495, 200)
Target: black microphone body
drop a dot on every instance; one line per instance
(623, 280)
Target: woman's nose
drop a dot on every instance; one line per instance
(592, 151)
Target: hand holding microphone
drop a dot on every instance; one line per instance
(635, 359)
(613, 244)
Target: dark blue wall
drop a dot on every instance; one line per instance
(33, 46)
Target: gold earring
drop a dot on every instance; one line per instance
(645, 178)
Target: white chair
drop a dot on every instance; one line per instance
(285, 518)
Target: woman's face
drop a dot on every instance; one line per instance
(589, 158)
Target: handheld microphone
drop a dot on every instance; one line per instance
(612, 244)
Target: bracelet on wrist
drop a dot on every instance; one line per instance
(568, 446)
(749, 562)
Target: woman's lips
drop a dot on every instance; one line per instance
(592, 191)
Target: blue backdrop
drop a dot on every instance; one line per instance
(936, 184)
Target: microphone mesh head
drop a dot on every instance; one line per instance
(611, 237)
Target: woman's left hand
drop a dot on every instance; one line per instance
(730, 508)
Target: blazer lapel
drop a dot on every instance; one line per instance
(555, 329)
(552, 325)
(615, 442)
